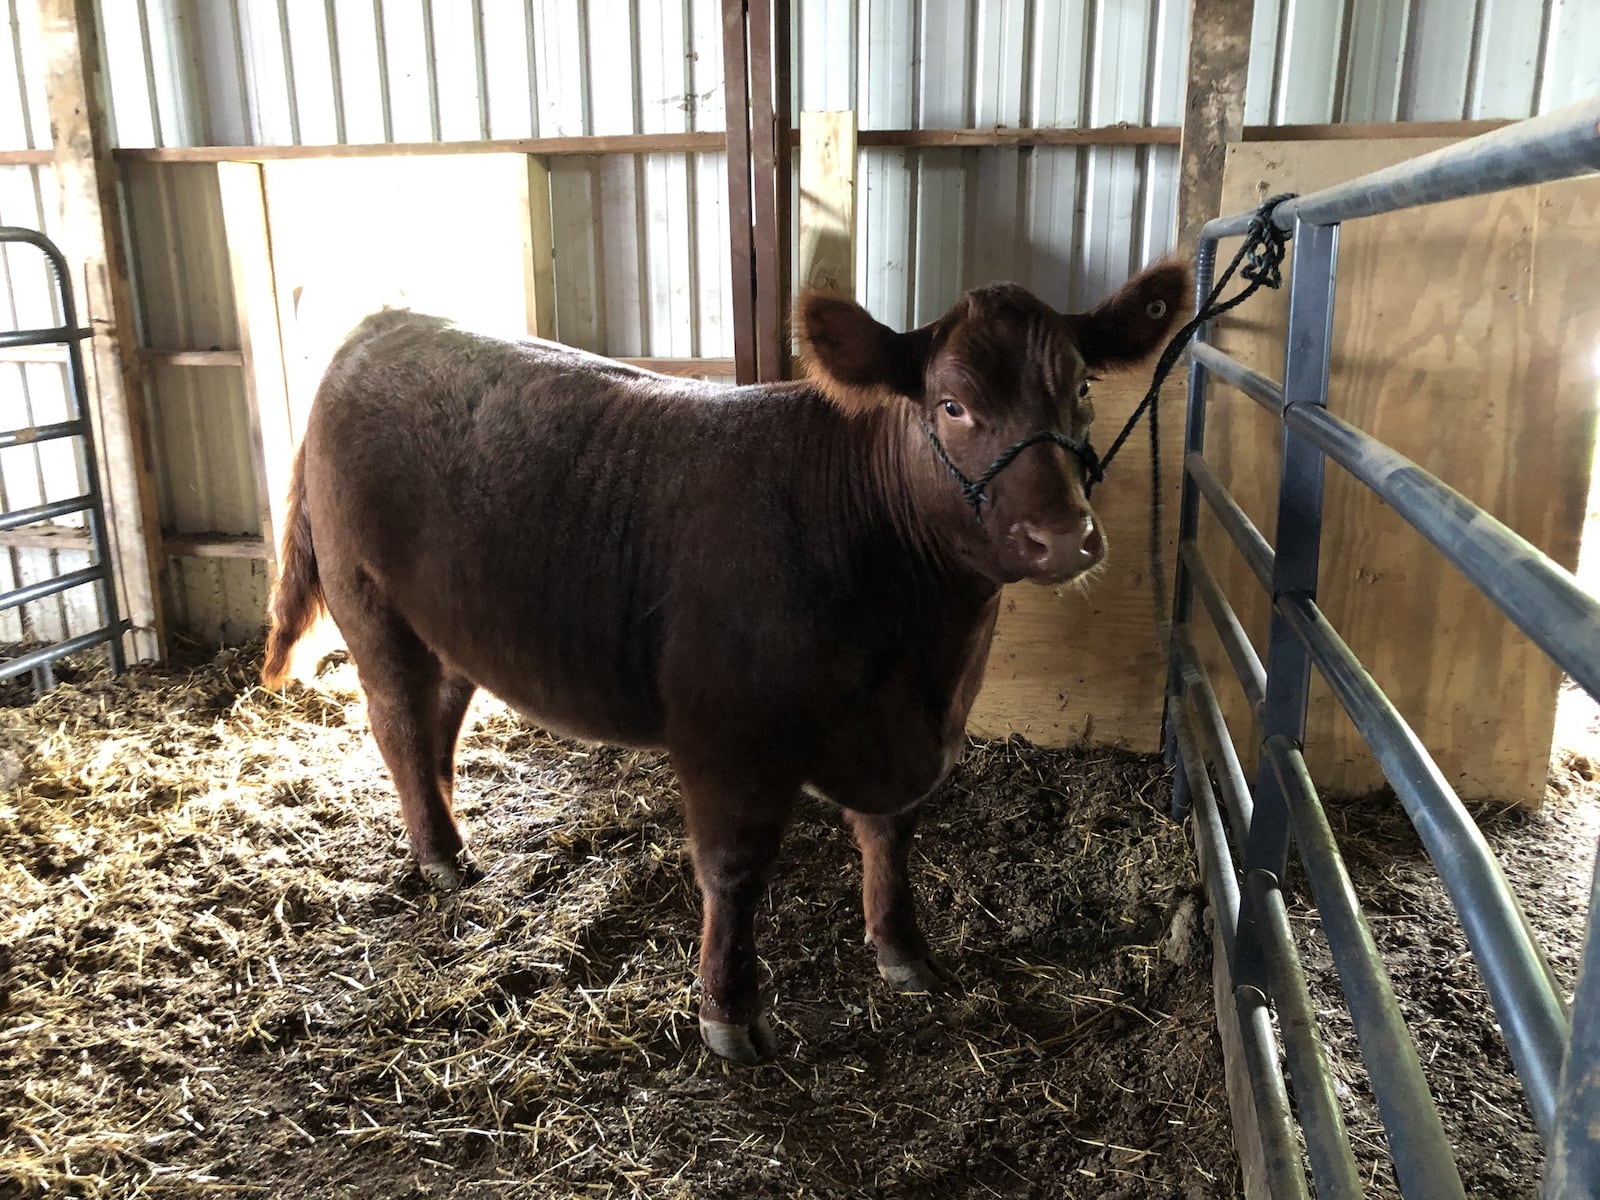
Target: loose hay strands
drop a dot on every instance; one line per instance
(219, 973)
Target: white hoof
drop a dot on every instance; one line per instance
(746, 1044)
(447, 875)
(919, 975)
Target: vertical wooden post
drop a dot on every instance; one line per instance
(538, 250)
(828, 201)
(783, 178)
(91, 227)
(1213, 109)
(769, 161)
(244, 218)
(741, 251)
(1213, 116)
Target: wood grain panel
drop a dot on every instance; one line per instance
(1463, 337)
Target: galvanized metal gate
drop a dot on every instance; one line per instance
(1556, 1054)
(39, 659)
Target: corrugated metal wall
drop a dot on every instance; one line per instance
(1069, 222)
(642, 267)
(642, 246)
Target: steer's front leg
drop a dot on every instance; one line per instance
(735, 827)
(886, 901)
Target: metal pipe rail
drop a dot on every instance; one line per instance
(1557, 1058)
(1258, 554)
(1519, 979)
(1543, 600)
(1235, 642)
(1557, 145)
(28, 435)
(98, 574)
(44, 512)
(1255, 1029)
(48, 587)
(56, 335)
(42, 657)
(1422, 1149)
(1333, 1163)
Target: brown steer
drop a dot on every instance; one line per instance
(785, 585)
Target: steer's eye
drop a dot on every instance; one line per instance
(1083, 390)
(953, 410)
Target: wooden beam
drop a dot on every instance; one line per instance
(160, 356)
(215, 545)
(46, 537)
(1370, 131)
(783, 175)
(622, 143)
(33, 354)
(26, 158)
(1213, 110)
(1103, 135)
(828, 201)
(684, 366)
(538, 250)
(741, 245)
(91, 224)
(255, 299)
(658, 143)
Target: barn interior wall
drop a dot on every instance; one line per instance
(642, 261)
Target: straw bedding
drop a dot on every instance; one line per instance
(220, 974)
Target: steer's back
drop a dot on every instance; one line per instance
(522, 507)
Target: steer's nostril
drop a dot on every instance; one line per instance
(1036, 543)
(1093, 545)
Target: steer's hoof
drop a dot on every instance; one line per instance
(447, 875)
(747, 1044)
(919, 975)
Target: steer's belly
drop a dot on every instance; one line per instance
(592, 698)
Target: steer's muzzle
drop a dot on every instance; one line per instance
(1057, 552)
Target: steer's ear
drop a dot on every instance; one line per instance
(1133, 323)
(859, 362)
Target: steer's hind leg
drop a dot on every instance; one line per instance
(452, 698)
(406, 690)
(735, 829)
(887, 904)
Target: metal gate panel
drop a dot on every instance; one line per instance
(76, 429)
(1556, 1055)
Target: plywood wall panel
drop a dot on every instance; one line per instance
(1463, 336)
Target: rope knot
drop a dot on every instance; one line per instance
(1265, 245)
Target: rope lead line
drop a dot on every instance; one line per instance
(1261, 256)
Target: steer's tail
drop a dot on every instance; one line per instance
(297, 596)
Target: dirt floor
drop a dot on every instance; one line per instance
(219, 974)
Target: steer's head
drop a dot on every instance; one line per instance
(996, 369)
